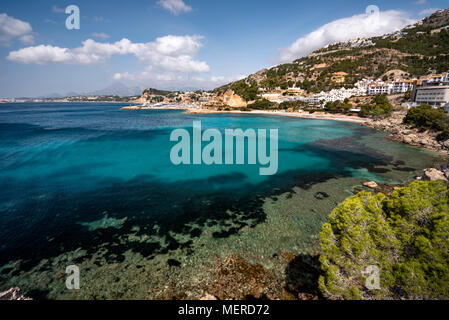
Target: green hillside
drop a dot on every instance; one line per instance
(415, 51)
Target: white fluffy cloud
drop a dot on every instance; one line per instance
(358, 26)
(169, 53)
(57, 9)
(100, 35)
(420, 2)
(172, 80)
(175, 6)
(11, 28)
(148, 74)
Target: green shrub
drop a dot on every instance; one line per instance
(295, 105)
(379, 107)
(406, 236)
(338, 106)
(425, 117)
(244, 90)
(261, 104)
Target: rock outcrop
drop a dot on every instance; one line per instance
(438, 19)
(371, 184)
(228, 99)
(439, 172)
(208, 298)
(433, 174)
(405, 134)
(13, 294)
(233, 100)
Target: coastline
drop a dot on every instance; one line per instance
(402, 133)
(303, 115)
(92, 102)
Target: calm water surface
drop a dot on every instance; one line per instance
(91, 185)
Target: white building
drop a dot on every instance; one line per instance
(437, 79)
(380, 88)
(390, 87)
(273, 97)
(436, 96)
(363, 85)
(336, 95)
(403, 86)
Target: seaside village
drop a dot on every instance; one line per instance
(432, 90)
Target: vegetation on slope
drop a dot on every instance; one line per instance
(379, 107)
(417, 51)
(152, 91)
(261, 104)
(426, 118)
(405, 236)
(338, 106)
(247, 92)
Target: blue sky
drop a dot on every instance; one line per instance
(173, 43)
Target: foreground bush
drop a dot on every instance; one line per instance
(406, 236)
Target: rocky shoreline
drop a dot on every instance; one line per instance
(405, 134)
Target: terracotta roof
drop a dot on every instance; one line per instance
(340, 73)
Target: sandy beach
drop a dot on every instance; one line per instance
(304, 115)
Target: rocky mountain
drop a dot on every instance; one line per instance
(415, 51)
(117, 89)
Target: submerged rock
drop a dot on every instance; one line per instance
(235, 278)
(321, 195)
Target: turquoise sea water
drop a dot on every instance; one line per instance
(81, 182)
